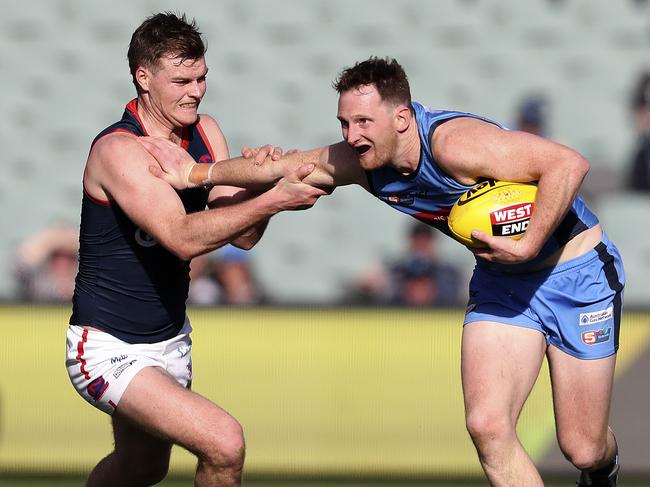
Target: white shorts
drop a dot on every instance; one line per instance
(101, 367)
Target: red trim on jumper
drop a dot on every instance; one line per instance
(185, 138)
(435, 216)
(114, 131)
(80, 353)
(96, 200)
(132, 106)
(205, 140)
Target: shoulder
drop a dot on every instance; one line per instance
(111, 158)
(113, 146)
(455, 132)
(116, 154)
(214, 134)
(209, 125)
(462, 145)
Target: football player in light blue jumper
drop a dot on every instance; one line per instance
(556, 292)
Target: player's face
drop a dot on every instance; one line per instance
(176, 89)
(368, 126)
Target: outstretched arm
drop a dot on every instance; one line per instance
(117, 171)
(335, 165)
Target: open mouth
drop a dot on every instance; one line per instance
(362, 149)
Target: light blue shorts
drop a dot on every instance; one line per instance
(576, 304)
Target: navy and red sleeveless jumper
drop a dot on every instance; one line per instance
(128, 285)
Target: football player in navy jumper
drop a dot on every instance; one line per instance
(129, 346)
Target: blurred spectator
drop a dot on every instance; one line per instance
(224, 276)
(46, 265)
(418, 278)
(639, 174)
(532, 115)
(235, 276)
(371, 287)
(204, 288)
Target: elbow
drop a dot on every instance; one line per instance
(177, 236)
(575, 163)
(582, 166)
(573, 167)
(245, 243)
(181, 247)
(187, 254)
(177, 239)
(182, 250)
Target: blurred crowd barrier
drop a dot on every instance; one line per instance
(65, 78)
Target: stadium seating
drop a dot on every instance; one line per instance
(625, 217)
(65, 77)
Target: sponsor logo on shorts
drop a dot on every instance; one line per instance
(594, 317)
(122, 368)
(97, 388)
(593, 337)
(118, 359)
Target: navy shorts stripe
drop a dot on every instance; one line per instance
(615, 284)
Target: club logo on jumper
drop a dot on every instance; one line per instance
(205, 159)
(593, 337)
(118, 359)
(97, 388)
(396, 199)
(511, 220)
(123, 367)
(596, 316)
(144, 239)
(407, 198)
(183, 349)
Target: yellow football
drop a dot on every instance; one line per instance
(499, 208)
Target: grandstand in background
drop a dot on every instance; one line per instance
(65, 77)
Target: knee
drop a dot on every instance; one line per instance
(225, 448)
(486, 429)
(584, 455)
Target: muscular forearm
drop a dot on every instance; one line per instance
(245, 173)
(204, 231)
(333, 165)
(556, 191)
